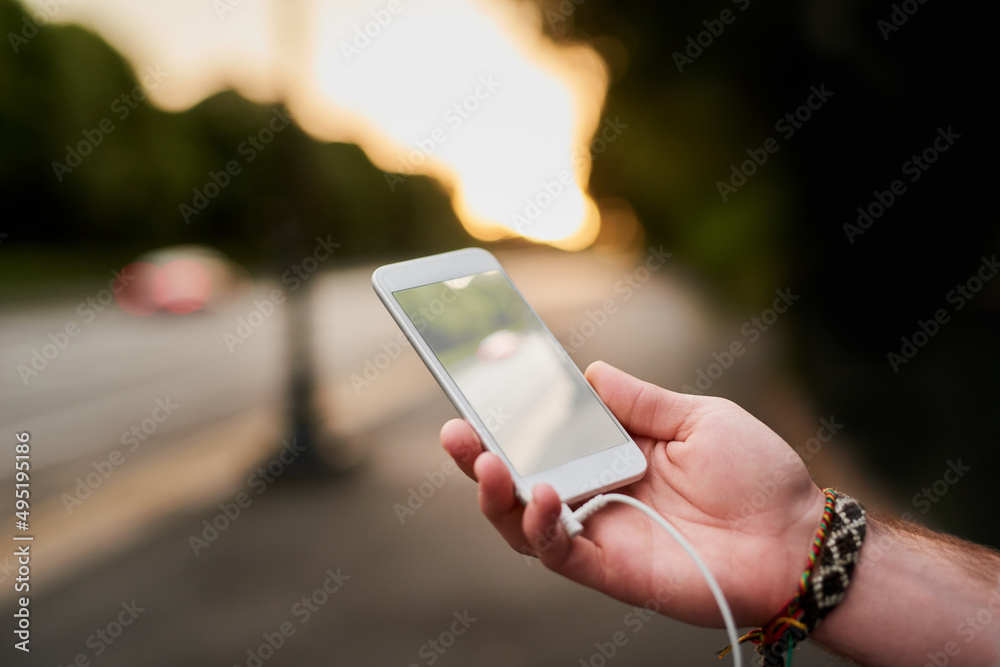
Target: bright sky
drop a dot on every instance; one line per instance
(468, 91)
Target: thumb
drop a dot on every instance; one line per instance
(641, 407)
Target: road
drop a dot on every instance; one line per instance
(189, 553)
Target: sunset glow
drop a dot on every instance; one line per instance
(469, 92)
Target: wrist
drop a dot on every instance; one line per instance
(792, 560)
(834, 551)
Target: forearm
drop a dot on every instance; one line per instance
(918, 598)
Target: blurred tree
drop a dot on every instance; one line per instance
(89, 167)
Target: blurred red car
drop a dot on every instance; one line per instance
(178, 280)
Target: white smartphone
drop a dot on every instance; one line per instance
(507, 375)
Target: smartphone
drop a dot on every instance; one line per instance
(507, 375)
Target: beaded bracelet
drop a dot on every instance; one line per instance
(835, 551)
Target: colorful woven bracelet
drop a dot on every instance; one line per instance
(835, 551)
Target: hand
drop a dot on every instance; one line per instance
(735, 489)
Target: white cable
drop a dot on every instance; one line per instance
(573, 521)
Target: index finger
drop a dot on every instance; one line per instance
(461, 442)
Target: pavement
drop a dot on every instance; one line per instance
(203, 546)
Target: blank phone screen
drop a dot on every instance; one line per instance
(527, 392)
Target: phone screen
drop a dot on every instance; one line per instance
(530, 396)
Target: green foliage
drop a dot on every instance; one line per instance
(87, 162)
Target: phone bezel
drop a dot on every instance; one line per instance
(575, 480)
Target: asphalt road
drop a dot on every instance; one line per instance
(186, 553)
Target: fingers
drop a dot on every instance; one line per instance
(461, 442)
(641, 407)
(543, 528)
(578, 559)
(498, 502)
(496, 488)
